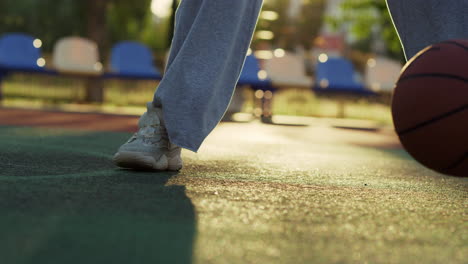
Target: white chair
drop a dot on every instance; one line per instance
(77, 55)
(382, 74)
(287, 71)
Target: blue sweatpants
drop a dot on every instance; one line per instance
(421, 23)
(211, 40)
(208, 50)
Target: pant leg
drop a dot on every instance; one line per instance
(210, 44)
(185, 15)
(421, 23)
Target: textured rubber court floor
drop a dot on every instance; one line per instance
(254, 193)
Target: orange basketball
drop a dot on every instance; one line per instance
(430, 107)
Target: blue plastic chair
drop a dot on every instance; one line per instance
(17, 53)
(336, 75)
(249, 75)
(132, 60)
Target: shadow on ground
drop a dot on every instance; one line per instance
(62, 201)
(263, 194)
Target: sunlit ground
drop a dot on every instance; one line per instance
(255, 193)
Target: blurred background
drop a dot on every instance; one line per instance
(314, 58)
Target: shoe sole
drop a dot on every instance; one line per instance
(174, 164)
(140, 161)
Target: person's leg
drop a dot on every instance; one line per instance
(421, 23)
(208, 50)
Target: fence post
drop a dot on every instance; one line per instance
(341, 108)
(2, 74)
(94, 90)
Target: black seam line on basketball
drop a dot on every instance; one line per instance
(435, 119)
(457, 162)
(433, 75)
(456, 44)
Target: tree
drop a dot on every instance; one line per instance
(96, 23)
(310, 21)
(45, 19)
(368, 20)
(104, 21)
(127, 20)
(298, 30)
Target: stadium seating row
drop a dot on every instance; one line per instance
(129, 59)
(132, 60)
(74, 55)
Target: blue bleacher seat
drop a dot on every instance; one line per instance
(132, 60)
(337, 75)
(17, 53)
(249, 75)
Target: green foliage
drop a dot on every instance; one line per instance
(125, 19)
(300, 30)
(310, 21)
(361, 18)
(45, 19)
(51, 20)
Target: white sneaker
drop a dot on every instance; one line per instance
(149, 148)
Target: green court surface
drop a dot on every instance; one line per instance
(254, 193)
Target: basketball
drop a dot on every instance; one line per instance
(430, 107)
